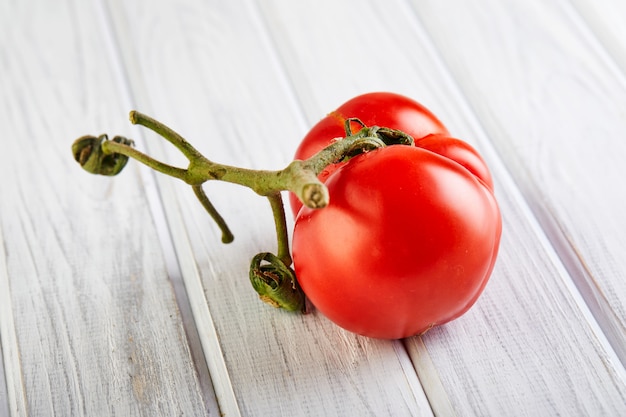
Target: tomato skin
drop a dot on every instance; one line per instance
(407, 242)
(458, 151)
(374, 109)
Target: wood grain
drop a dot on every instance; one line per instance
(12, 395)
(4, 393)
(605, 19)
(95, 328)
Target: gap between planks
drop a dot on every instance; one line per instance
(204, 346)
(573, 260)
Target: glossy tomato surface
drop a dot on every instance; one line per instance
(407, 242)
(382, 109)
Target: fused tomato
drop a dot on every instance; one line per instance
(409, 238)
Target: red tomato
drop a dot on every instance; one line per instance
(374, 109)
(407, 242)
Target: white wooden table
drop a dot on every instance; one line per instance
(117, 297)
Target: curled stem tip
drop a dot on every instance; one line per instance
(89, 152)
(276, 283)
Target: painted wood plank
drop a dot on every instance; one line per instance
(90, 324)
(213, 76)
(12, 395)
(605, 18)
(4, 393)
(557, 120)
(530, 343)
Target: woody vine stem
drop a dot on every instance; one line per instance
(271, 275)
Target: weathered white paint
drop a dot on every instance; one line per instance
(12, 395)
(605, 19)
(555, 113)
(89, 322)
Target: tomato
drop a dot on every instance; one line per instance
(373, 109)
(407, 242)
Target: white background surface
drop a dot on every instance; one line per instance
(117, 297)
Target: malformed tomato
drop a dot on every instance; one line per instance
(407, 242)
(373, 109)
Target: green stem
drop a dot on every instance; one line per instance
(227, 235)
(166, 132)
(111, 147)
(282, 234)
(270, 275)
(299, 177)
